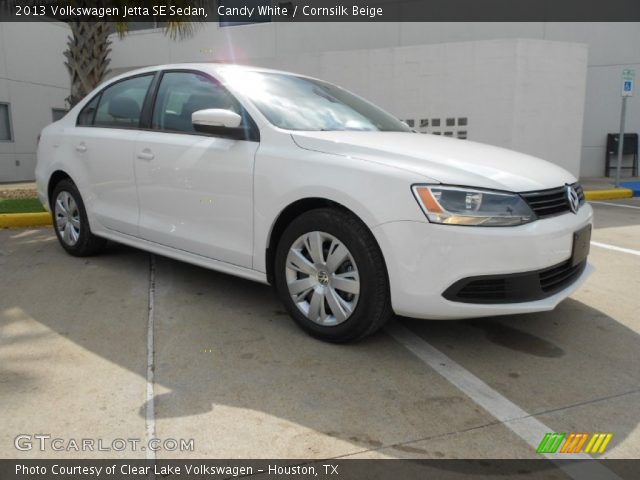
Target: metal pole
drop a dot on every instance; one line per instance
(621, 140)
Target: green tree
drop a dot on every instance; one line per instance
(89, 47)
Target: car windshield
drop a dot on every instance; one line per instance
(298, 103)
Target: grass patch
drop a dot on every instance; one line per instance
(20, 205)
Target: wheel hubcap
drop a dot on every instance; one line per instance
(322, 278)
(67, 218)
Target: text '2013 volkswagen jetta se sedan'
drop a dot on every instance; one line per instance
(292, 181)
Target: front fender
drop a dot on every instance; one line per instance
(375, 193)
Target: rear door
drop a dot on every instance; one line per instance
(195, 189)
(104, 142)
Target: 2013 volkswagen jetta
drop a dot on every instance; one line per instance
(292, 181)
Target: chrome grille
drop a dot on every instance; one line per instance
(550, 202)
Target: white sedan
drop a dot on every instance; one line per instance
(292, 181)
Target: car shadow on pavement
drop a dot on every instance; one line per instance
(249, 355)
(232, 368)
(576, 352)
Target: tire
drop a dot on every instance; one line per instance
(70, 221)
(342, 290)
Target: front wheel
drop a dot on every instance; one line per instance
(331, 276)
(71, 223)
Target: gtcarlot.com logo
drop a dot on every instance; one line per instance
(45, 442)
(574, 443)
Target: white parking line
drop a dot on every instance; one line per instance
(615, 205)
(616, 249)
(523, 424)
(150, 416)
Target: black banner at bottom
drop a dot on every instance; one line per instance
(318, 469)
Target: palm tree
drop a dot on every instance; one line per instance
(89, 46)
(87, 57)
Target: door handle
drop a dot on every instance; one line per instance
(81, 147)
(145, 154)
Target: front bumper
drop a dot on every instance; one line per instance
(424, 259)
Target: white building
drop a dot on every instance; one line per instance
(33, 86)
(548, 89)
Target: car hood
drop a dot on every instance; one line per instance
(441, 159)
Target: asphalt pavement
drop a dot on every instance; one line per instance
(231, 373)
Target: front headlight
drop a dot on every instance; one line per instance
(470, 206)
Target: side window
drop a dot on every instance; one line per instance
(121, 104)
(182, 93)
(88, 112)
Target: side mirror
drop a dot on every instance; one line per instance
(217, 121)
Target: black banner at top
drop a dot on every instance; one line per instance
(229, 12)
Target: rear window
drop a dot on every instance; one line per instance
(119, 105)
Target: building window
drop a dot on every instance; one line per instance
(6, 135)
(58, 113)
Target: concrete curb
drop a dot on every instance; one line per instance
(610, 194)
(13, 220)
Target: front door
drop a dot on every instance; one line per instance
(195, 190)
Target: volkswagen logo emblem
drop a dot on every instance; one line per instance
(323, 278)
(572, 198)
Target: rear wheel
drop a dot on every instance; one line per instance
(70, 221)
(330, 274)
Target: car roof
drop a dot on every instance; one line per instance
(214, 68)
